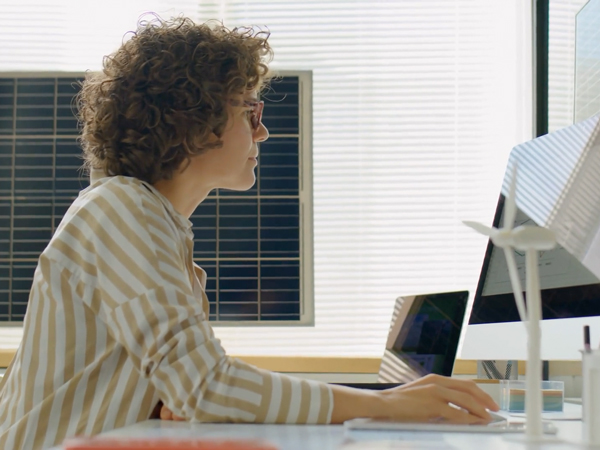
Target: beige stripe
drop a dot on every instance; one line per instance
(127, 402)
(236, 381)
(168, 260)
(48, 391)
(325, 404)
(147, 404)
(305, 397)
(9, 391)
(131, 321)
(96, 301)
(199, 364)
(117, 251)
(129, 233)
(69, 354)
(74, 256)
(66, 410)
(286, 395)
(69, 313)
(169, 248)
(154, 204)
(184, 379)
(154, 216)
(80, 291)
(231, 402)
(92, 383)
(116, 280)
(100, 419)
(81, 239)
(155, 225)
(263, 409)
(226, 379)
(168, 279)
(34, 364)
(171, 390)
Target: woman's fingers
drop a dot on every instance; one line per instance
(454, 415)
(465, 401)
(167, 414)
(467, 386)
(471, 388)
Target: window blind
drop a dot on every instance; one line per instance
(416, 106)
(561, 62)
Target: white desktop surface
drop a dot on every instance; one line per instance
(324, 437)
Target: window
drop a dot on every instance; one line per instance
(561, 62)
(416, 106)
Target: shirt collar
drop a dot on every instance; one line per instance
(179, 219)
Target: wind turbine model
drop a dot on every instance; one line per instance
(531, 240)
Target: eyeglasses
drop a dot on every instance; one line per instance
(256, 111)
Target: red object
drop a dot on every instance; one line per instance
(165, 444)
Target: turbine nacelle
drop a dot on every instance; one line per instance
(526, 237)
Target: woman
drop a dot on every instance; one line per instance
(117, 325)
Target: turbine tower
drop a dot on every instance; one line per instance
(531, 240)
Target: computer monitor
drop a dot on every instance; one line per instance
(558, 187)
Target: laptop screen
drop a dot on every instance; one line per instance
(424, 336)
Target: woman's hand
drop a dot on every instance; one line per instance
(167, 414)
(432, 398)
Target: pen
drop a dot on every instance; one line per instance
(586, 338)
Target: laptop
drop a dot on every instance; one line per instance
(423, 338)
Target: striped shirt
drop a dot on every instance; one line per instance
(118, 320)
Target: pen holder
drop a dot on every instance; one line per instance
(590, 370)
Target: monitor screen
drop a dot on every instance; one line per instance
(568, 289)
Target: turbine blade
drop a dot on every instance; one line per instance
(479, 227)
(510, 205)
(515, 281)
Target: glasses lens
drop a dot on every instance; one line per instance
(257, 115)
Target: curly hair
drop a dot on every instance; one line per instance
(162, 95)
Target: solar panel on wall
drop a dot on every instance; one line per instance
(248, 242)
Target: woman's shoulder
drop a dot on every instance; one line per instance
(117, 217)
(119, 195)
(116, 206)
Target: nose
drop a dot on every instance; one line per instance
(261, 134)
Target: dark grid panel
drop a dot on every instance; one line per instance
(247, 242)
(279, 290)
(280, 228)
(279, 167)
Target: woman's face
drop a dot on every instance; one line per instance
(232, 165)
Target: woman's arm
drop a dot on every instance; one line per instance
(428, 399)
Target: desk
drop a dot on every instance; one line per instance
(324, 437)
